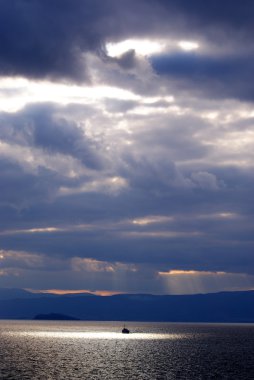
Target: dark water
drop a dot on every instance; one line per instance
(89, 350)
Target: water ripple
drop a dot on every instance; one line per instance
(98, 351)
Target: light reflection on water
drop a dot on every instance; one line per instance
(99, 335)
(98, 350)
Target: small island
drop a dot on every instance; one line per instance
(55, 317)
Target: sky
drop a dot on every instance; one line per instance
(126, 145)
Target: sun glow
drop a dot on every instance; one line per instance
(141, 47)
(24, 91)
(188, 45)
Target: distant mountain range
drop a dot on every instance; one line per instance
(215, 307)
(55, 317)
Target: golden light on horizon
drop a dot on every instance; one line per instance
(103, 293)
(178, 281)
(177, 272)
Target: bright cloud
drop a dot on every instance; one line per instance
(141, 47)
(152, 219)
(19, 259)
(188, 45)
(92, 265)
(194, 281)
(22, 91)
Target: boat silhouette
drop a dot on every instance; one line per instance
(125, 330)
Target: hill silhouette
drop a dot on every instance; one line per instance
(213, 307)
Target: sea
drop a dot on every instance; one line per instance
(98, 350)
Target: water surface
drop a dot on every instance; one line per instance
(98, 350)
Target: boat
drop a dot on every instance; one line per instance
(125, 330)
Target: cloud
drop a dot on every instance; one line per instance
(50, 40)
(16, 259)
(92, 265)
(189, 282)
(220, 76)
(39, 126)
(45, 39)
(205, 180)
(141, 159)
(20, 188)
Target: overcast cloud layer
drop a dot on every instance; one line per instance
(126, 145)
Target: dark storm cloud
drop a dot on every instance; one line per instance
(144, 174)
(226, 22)
(221, 76)
(127, 60)
(20, 188)
(46, 38)
(217, 12)
(41, 126)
